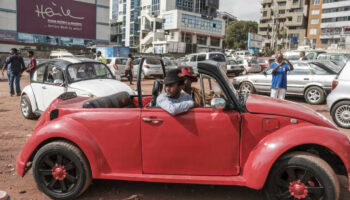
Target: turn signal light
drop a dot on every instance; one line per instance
(146, 66)
(115, 66)
(334, 84)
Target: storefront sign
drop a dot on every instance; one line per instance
(57, 17)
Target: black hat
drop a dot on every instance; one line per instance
(173, 76)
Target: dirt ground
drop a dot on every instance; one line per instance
(14, 131)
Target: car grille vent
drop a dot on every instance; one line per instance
(54, 114)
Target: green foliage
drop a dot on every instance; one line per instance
(237, 34)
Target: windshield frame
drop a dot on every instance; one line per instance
(69, 80)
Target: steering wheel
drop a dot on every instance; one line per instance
(157, 88)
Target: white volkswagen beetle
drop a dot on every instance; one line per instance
(86, 77)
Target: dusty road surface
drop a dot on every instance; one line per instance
(14, 131)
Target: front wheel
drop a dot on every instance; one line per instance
(247, 88)
(26, 107)
(341, 114)
(302, 176)
(314, 95)
(61, 171)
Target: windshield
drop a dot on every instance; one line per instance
(261, 61)
(253, 61)
(217, 57)
(87, 71)
(153, 62)
(347, 56)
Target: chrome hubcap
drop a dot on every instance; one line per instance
(25, 107)
(342, 115)
(246, 88)
(314, 95)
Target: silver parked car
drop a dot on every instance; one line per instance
(250, 65)
(193, 59)
(234, 67)
(151, 67)
(310, 79)
(338, 100)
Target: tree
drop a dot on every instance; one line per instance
(237, 34)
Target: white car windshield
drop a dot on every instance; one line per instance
(87, 71)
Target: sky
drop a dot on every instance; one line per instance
(242, 9)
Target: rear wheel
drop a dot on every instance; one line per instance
(61, 171)
(314, 95)
(247, 88)
(26, 108)
(302, 176)
(341, 114)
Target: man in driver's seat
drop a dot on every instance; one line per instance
(173, 100)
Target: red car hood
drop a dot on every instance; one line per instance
(266, 105)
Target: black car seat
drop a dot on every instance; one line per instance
(157, 88)
(119, 100)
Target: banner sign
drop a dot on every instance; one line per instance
(8, 36)
(57, 17)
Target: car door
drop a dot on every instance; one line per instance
(298, 79)
(262, 81)
(201, 141)
(53, 84)
(37, 85)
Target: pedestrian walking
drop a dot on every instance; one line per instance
(32, 62)
(128, 69)
(100, 58)
(279, 76)
(15, 67)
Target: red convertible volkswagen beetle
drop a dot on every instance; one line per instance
(284, 148)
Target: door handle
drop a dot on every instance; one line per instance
(44, 87)
(152, 120)
(306, 79)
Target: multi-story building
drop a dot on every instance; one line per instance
(71, 24)
(314, 22)
(125, 24)
(180, 26)
(227, 17)
(283, 23)
(335, 23)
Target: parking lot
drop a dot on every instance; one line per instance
(14, 131)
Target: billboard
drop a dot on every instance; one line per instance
(8, 36)
(255, 40)
(57, 17)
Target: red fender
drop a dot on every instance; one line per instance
(269, 149)
(67, 129)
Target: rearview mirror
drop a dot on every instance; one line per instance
(218, 103)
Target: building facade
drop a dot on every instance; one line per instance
(283, 23)
(227, 17)
(335, 25)
(72, 24)
(314, 24)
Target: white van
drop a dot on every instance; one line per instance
(193, 59)
(242, 54)
(60, 54)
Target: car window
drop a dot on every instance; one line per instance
(239, 61)
(54, 75)
(316, 70)
(310, 56)
(201, 57)
(86, 71)
(38, 75)
(232, 62)
(153, 62)
(136, 62)
(217, 57)
(322, 57)
(193, 58)
(120, 61)
(299, 71)
(109, 61)
(261, 61)
(253, 61)
(212, 89)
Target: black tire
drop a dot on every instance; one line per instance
(341, 114)
(314, 95)
(26, 108)
(247, 88)
(72, 172)
(307, 175)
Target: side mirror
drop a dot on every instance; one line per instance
(218, 103)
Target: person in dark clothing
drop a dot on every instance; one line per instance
(15, 67)
(32, 62)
